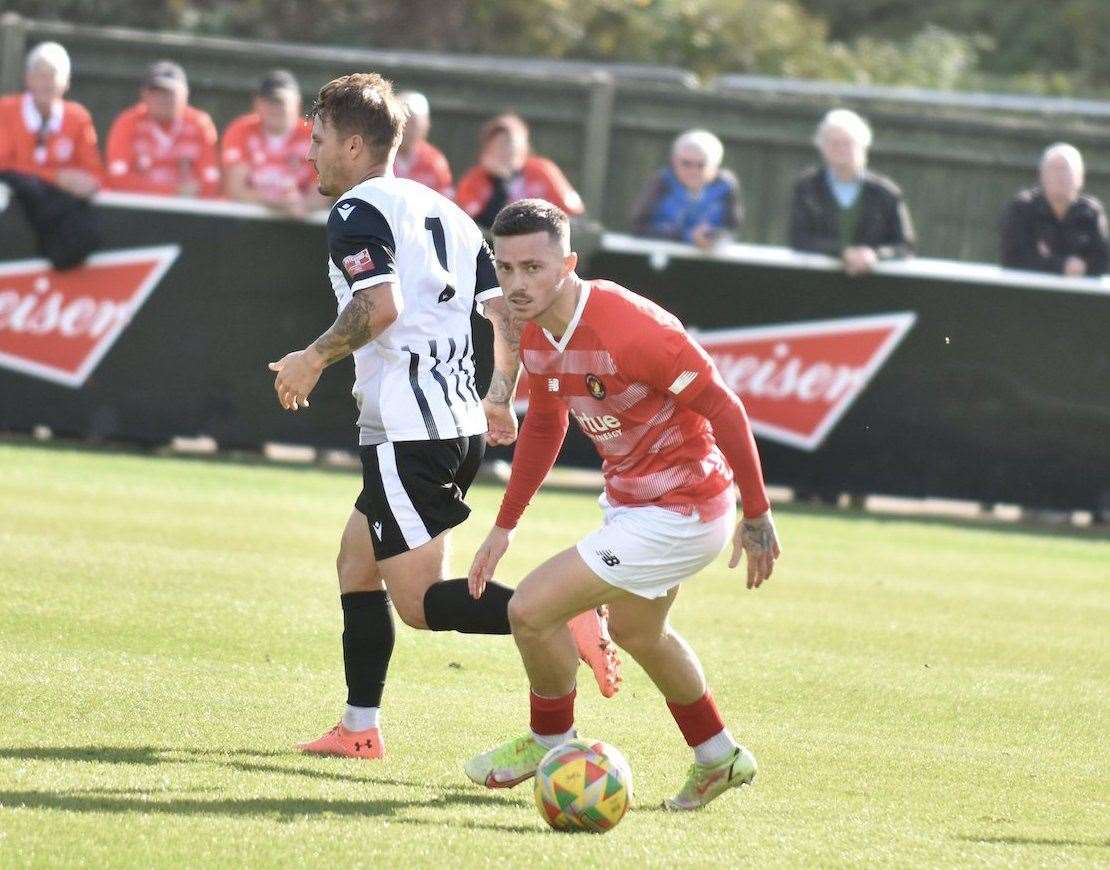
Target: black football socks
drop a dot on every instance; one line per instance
(367, 645)
(448, 606)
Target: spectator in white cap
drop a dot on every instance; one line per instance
(843, 209)
(49, 160)
(693, 199)
(417, 158)
(1055, 226)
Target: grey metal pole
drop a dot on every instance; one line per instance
(599, 127)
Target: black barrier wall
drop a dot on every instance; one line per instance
(995, 393)
(242, 292)
(991, 392)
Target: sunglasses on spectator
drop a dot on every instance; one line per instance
(691, 164)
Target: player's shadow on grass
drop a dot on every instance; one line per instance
(154, 755)
(284, 809)
(1013, 840)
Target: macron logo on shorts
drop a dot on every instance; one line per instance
(682, 382)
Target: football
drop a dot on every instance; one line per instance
(583, 785)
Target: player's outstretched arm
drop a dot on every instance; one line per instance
(498, 402)
(757, 537)
(368, 314)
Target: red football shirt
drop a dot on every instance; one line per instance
(34, 145)
(627, 372)
(427, 165)
(145, 156)
(276, 164)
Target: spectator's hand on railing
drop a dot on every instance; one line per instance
(77, 182)
(1075, 267)
(859, 260)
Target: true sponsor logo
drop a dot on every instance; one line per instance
(59, 325)
(602, 427)
(798, 379)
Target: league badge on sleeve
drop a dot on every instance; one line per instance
(358, 264)
(595, 386)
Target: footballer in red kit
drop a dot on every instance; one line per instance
(673, 439)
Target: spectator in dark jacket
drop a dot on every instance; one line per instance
(843, 210)
(1055, 227)
(692, 200)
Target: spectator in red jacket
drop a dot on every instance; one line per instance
(417, 158)
(163, 145)
(508, 171)
(46, 136)
(264, 152)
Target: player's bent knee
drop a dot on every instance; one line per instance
(411, 611)
(523, 614)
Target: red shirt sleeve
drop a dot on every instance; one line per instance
(120, 156)
(7, 138)
(208, 167)
(444, 181)
(674, 363)
(473, 191)
(559, 189)
(537, 447)
(88, 157)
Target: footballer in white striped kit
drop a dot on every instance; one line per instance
(407, 267)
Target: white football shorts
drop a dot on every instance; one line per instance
(648, 550)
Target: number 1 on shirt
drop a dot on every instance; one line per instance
(435, 226)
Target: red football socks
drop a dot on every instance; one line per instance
(552, 715)
(698, 721)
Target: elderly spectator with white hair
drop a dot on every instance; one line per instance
(417, 158)
(1055, 227)
(843, 209)
(48, 158)
(43, 134)
(692, 200)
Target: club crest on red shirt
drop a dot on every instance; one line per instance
(595, 386)
(357, 264)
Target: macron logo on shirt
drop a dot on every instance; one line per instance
(345, 209)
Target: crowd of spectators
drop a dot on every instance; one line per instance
(163, 145)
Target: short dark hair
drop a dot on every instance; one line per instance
(363, 104)
(275, 82)
(527, 216)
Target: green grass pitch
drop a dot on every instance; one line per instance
(917, 694)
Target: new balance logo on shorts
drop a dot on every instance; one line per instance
(609, 557)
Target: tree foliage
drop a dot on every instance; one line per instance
(1020, 44)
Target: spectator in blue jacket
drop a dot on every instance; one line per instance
(692, 200)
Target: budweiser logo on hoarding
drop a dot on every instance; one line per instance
(59, 325)
(798, 379)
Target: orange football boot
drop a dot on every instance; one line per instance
(591, 635)
(346, 744)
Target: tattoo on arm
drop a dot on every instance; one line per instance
(501, 388)
(757, 538)
(352, 329)
(507, 332)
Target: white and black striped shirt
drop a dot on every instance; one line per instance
(415, 381)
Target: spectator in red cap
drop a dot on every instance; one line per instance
(417, 158)
(508, 171)
(162, 144)
(264, 152)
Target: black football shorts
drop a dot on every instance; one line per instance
(414, 490)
